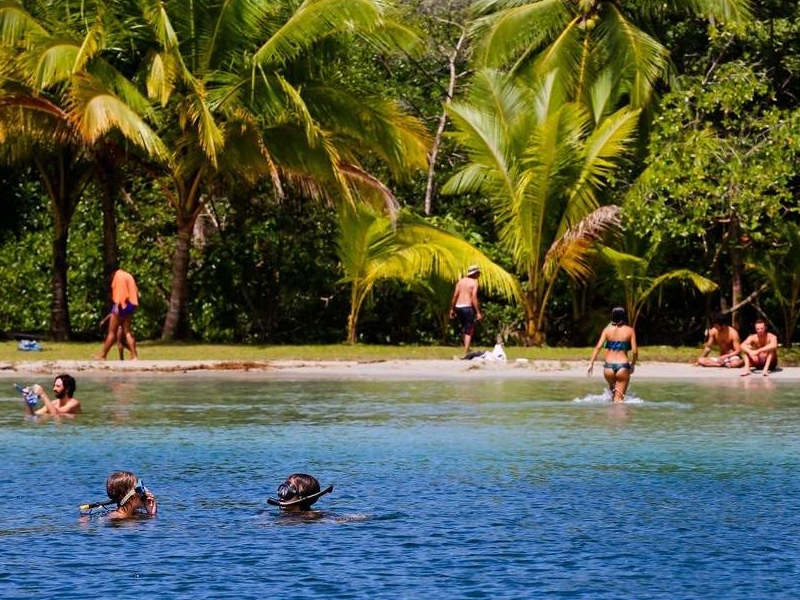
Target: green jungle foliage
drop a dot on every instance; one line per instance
(710, 185)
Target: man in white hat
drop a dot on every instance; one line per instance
(465, 305)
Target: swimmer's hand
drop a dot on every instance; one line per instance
(37, 389)
(590, 369)
(150, 503)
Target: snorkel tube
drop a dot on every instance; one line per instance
(91, 505)
(139, 489)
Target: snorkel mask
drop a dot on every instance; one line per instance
(138, 489)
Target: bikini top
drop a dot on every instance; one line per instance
(623, 345)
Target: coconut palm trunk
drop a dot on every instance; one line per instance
(64, 182)
(176, 323)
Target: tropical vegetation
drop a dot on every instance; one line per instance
(313, 171)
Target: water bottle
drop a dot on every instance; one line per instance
(29, 395)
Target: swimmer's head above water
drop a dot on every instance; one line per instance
(299, 492)
(129, 494)
(618, 316)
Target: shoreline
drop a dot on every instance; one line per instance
(385, 369)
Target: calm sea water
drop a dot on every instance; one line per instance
(480, 489)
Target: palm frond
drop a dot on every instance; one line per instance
(162, 74)
(96, 111)
(632, 51)
(155, 13)
(199, 113)
(315, 20)
(467, 180)
(372, 190)
(515, 28)
(570, 251)
(51, 62)
(93, 43)
(17, 26)
(565, 54)
(702, 284)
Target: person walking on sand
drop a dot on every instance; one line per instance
(760, 350)
(617, 338)
(465, 305)
(727, 339)
(125, 300)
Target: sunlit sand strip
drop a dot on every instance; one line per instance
(391, 369)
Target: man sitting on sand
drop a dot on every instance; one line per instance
(727, 339)
(760, 350)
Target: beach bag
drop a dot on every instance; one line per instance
(29, 346)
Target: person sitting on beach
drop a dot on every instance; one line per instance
(617, 338)
(726, 338)
(64, 404)
(760, 350)
(131, 496)
(298, 493)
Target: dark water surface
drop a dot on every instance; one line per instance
(479, 489)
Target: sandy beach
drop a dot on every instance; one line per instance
(387, 369)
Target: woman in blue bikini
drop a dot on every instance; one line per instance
(617, 338)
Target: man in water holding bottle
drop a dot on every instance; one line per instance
(63, 405)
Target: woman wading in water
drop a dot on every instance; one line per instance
(617, 338)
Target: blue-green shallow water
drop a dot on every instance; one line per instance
(487, 489)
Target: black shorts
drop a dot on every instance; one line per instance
(466, 316)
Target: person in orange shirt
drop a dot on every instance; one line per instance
(125, 299)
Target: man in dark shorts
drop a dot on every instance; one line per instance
(465, 305)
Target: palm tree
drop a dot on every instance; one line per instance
(541, 164)
(247, 96)
(590, 42)
(372, 245)
(633, 276)
(62, 106)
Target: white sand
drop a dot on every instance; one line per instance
(389, 369)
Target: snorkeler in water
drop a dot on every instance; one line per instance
(298, 493)
(130, 495)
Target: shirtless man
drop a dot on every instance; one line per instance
(64, 404)
(727, 339)
(760, 350)
(465, 305)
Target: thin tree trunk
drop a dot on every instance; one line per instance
(437, 140)
(736, 267)
(65, 187)
(59, 309)
(110, 183)
(176, 324)
(352, 318)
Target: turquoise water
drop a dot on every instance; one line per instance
(479, 489)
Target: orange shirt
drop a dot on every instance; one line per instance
(123, 289)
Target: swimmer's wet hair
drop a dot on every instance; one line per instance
(618, 316)
(118, 484)
(69, 384)
(298, 485)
